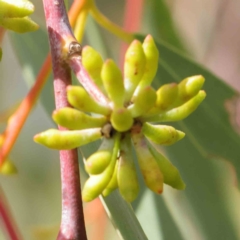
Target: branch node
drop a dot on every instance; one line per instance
(74, 50)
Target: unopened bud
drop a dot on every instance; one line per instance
(179, 113)
(134, 67)
(15, 8)
(127, 175)
(80, 99)
(152, 55)
(64, 140)
(162, 134)
(20, 25)
(142, 102)
(170, 173)
(113, 183)
(121, 119)
(166, 96)
(113, 82)
(95, 185)
(76, 120)
(92, 62)
(99, 160)
(152, 175)
(188, 88)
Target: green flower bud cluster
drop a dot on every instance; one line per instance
(124, 122)
(14, 15)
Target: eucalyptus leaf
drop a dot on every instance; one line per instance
(159, 23)
(209, 137)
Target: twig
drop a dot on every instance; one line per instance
(19, 117)
(7, 219)
(86, 81)
(61, 38)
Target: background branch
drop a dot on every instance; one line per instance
(7, 219)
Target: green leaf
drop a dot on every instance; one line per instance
(123, 217)
(209, 135)
(0, 54)
(160, 24)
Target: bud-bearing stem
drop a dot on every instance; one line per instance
(72, 224)
(86, 81)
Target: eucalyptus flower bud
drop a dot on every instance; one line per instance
(76, 120)
(92, 62)
(152, 55)
(152, 175)
(134, 67)
(64, 140)
(166, 96)
(95, 185)
(113, 183)
(170, 173)
(113, 83)
(20, 25)
(99, 160)
(80, 99)
(127, 174)
(189, 87)
(121, 119)
(181, 112)
(142, 102)
(15, 8)
(162, 134)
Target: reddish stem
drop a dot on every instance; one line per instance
(72, 223)
(7, 219)
(133, 15)
(18, 119)
(86, 81)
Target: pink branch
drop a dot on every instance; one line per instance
(84, 78)
(7, 219)
(60, 37)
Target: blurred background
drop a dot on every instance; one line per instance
(206, 31)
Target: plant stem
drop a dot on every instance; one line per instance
(110, 26)
(7, 219)
(80, 24)
(86, 81)
(72, 223)
(17, 120)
